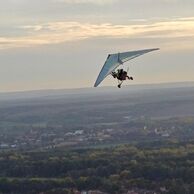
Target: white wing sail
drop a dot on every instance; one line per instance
(115, 60)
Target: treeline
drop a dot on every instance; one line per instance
(111, 170)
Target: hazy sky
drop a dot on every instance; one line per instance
(49, 44)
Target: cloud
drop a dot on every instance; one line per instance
(102, 2)
(59, 32)
(33, 27)
(98, 2)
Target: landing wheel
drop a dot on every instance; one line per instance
(119, 86)
(130, 78)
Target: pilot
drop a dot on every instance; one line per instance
(121, 75)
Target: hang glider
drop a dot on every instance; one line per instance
(113, 61)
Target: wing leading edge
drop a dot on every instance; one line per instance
(115, 60)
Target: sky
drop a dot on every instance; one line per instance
(53, 44)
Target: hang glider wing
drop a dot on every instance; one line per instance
(115, 60)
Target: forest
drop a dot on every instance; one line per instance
(162, 167)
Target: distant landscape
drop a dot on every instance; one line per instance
(138, 139)
(93, 117)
